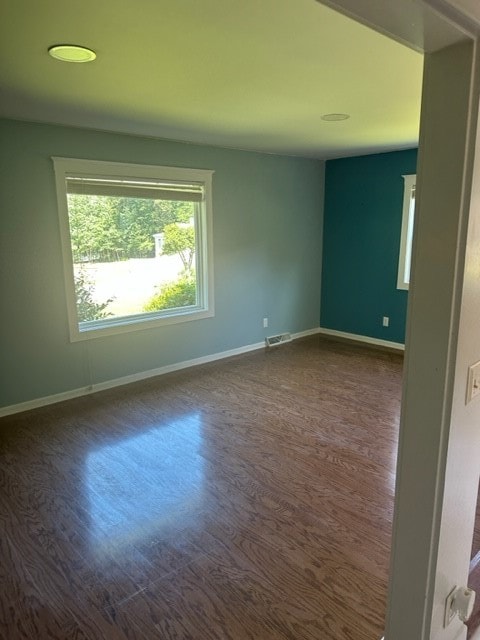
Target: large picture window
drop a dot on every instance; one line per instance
(136, 243)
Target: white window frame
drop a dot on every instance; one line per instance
(406, 237)
(204, 308)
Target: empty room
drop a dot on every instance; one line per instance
(239, 344)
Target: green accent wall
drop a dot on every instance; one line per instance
(267, 233)
(361, 244)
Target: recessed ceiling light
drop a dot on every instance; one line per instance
(71, 53)
(335, 117)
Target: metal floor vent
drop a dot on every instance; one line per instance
(274, 341)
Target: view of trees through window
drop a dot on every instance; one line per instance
(131, 255)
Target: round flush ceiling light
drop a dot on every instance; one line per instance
(335, 117)
(71, 53)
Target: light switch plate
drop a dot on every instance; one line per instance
(473, 381)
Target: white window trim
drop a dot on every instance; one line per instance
(406, 233)
(203, 229)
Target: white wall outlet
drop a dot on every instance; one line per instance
(385, 321)
(265, 323)
(473, 381)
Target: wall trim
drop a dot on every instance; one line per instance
(359, 338)
(136, 377)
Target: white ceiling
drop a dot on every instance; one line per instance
(256, 74)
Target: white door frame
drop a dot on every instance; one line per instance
(439, 449)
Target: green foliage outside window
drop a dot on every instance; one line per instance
(87, 308)
(181, 293)
(109, 229)
(113, 229)
(180, 239)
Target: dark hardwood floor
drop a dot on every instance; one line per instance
(474, 577)
(476, 531)
(248, 498)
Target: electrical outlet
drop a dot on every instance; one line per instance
(385, 321)
(473, 381)
(265, 323)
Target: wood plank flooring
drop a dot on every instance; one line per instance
(476, 531)
(474, 577)
(244, 499)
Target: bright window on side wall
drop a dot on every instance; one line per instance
(405, 258)
(137, 245)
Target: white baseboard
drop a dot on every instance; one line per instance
(136, 377)
(358, 338)
(143, 375)
(304, 334)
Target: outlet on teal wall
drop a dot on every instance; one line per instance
(361, 243)
(267, 228)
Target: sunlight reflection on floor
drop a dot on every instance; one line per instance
(141, 484)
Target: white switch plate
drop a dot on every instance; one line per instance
(386, 321)
(473, 381)
(265, 323)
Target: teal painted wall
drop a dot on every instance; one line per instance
(361, 244)
(267, 220)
